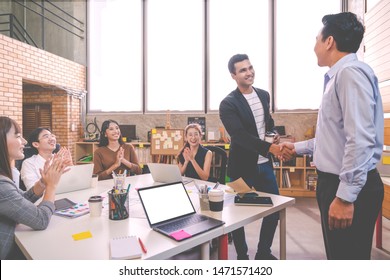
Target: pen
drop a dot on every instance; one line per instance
(142, 245)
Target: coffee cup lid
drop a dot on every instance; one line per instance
(215, 192)
(96, 198)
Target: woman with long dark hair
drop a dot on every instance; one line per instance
(113, 155)
(17, 206)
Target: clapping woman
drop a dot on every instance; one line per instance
(113, 155)
(17, 206)
(194, 160)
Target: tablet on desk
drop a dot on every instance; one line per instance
(63, 203)
(253, 200)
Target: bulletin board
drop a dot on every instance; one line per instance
(166, 141)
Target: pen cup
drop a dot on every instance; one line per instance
(118, 205)
(119, 181)
(216, 200)
(204, 202)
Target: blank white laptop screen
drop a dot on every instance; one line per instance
(164, 203)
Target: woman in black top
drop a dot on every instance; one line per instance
(194, 160)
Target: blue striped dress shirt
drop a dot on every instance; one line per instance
(350, 126)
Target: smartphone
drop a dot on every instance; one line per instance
(253, 200)
(63, 203)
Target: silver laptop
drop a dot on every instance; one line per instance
(165, 173)
(169, 210)
(79, 177)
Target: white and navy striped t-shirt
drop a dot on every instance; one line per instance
(258, 112)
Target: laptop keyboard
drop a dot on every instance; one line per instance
(183, 223)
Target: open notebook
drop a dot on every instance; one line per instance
(169, 210)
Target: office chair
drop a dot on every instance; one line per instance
(218, 164)
(218, 174)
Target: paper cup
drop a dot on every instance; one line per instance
(216, 200)
(95, 206)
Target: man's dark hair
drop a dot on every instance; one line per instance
(34, 137)
(234, 59)
(346, 30)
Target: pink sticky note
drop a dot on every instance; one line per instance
(180, 235)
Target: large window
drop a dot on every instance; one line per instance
(240, 28)
(175, 64)
(299, 80)
(115, 55)
(158, 55)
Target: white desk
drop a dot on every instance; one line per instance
(56, 241)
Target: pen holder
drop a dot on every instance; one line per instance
(118, 205)
(204, 202)
(119, 181)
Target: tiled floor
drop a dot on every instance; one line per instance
(304, 236)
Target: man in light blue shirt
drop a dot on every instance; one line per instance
(348, 142)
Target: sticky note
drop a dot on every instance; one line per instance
(141, 145)
(227, 146)
(82, 235)
(292, 169)
(154, 131)
(179, 235)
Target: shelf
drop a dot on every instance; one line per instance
(294, 180)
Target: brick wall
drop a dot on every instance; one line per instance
(21, 63)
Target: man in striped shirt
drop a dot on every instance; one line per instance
(245, 113)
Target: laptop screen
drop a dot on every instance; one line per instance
(165, 202)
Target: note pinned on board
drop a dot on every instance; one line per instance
(386, 159)
(82, 235)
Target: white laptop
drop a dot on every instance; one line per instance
(165, 173)
(79, 177)
(170, 211)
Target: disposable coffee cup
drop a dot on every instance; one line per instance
(216, 200)
(269, 137)
(95, 206)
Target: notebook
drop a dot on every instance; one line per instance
(125, 248)
(79, 177)
(169, 211)
(165, 173)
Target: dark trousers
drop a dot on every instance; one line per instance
(264, 181)
(355, 242)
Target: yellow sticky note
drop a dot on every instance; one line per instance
(227, 146)
(292, 169)
(386, 159)
(82, 235)
(142, 165)
(154, 131)
(141, 145)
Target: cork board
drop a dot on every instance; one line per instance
(166, 141)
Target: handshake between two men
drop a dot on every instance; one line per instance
(284, 151)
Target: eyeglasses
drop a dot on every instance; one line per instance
(47, 136)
